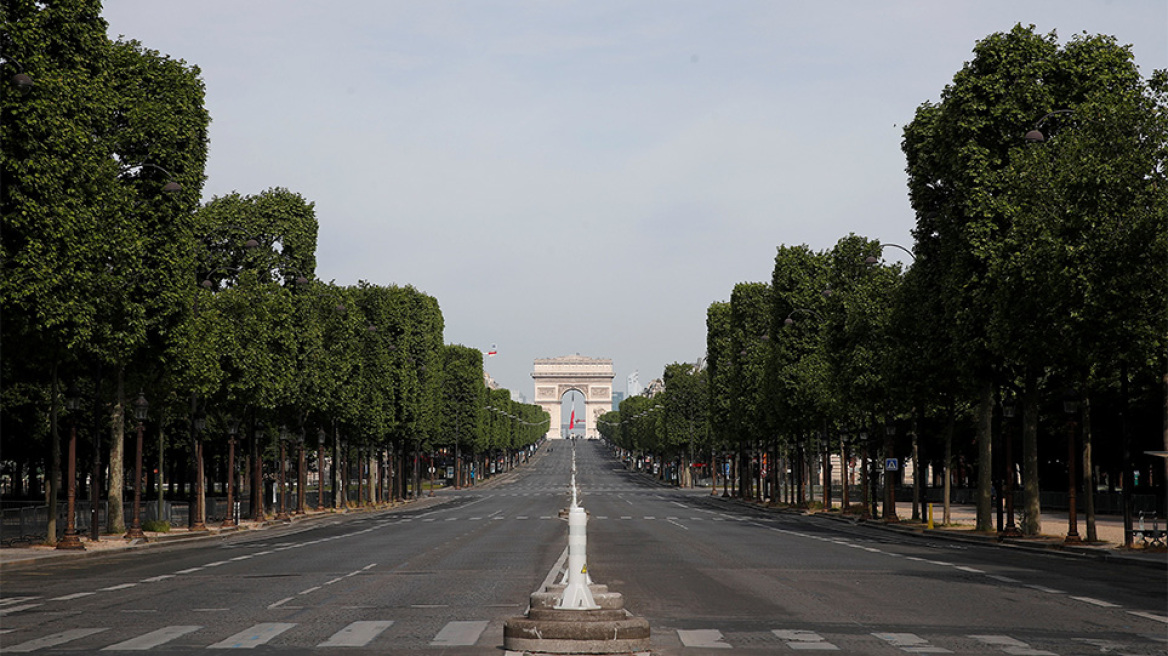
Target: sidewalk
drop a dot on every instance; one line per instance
(36, 556)
(963, 519)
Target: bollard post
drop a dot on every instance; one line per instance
(930, 526)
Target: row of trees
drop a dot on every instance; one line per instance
(1038, 275)
(116, 279)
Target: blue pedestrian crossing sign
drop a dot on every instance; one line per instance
(891, 464)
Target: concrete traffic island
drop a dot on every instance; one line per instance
(576, 616)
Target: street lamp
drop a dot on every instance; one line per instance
(1009, 408)
(141, 407)
(232, 431)
(872, 259)
(1070, 407)
(70, 540)
(198, 514)
(282, 512)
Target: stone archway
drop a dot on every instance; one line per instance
(555, 377)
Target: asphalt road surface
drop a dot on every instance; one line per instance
(711, 576)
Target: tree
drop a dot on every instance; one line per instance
(964, 188)
(90, 247)
(750, 316)
(685, 404)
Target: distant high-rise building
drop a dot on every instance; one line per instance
(633, 384)
(617, 397)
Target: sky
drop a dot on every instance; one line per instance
(584, 177)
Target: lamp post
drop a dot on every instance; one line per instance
(70, 541)
(232, 431)
(1009, 408)
(320, 469)
(282, 511)
(141, 407)
(1070, 407)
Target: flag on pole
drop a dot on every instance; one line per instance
(494, 351)
(572, 423)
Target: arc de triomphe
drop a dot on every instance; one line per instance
(592, 377)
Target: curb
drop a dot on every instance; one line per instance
(1021, 544)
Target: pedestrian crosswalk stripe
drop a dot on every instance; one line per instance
(357, 634)
(911, 643)
(462, 634)
(153, 639)
(52, 640)
(804, 640)
(1010, 645)
(703, 638)
(253, 637)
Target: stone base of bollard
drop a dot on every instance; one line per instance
(546, 630)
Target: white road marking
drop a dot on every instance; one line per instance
(357, 634)
(280, 603)
(1042, 588)
(1096, 602)
(118, 587)
(1010, 645)
(804, 640)
(459, 634)
(17, 609)
(156, 579)
(911, 643)
(16, 600)
(703, 638)
(253, 637)
(70, 597)
(1149, 616)
(52, 640)
(679, 525)
(153, 639)
(190, 570)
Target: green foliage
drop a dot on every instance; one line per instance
(463, 398)
(685, 405)
(750, 320)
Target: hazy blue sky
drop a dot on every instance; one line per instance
(584, 177)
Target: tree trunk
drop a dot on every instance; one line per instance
(1088, 473)
(985, 460)
(115, 519)
(950, 422)
(1031, 523)
(54, 482)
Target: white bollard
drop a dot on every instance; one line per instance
(577, 595)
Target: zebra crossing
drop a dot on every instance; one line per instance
(466, 633)
(361, 633)
(782, 640)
